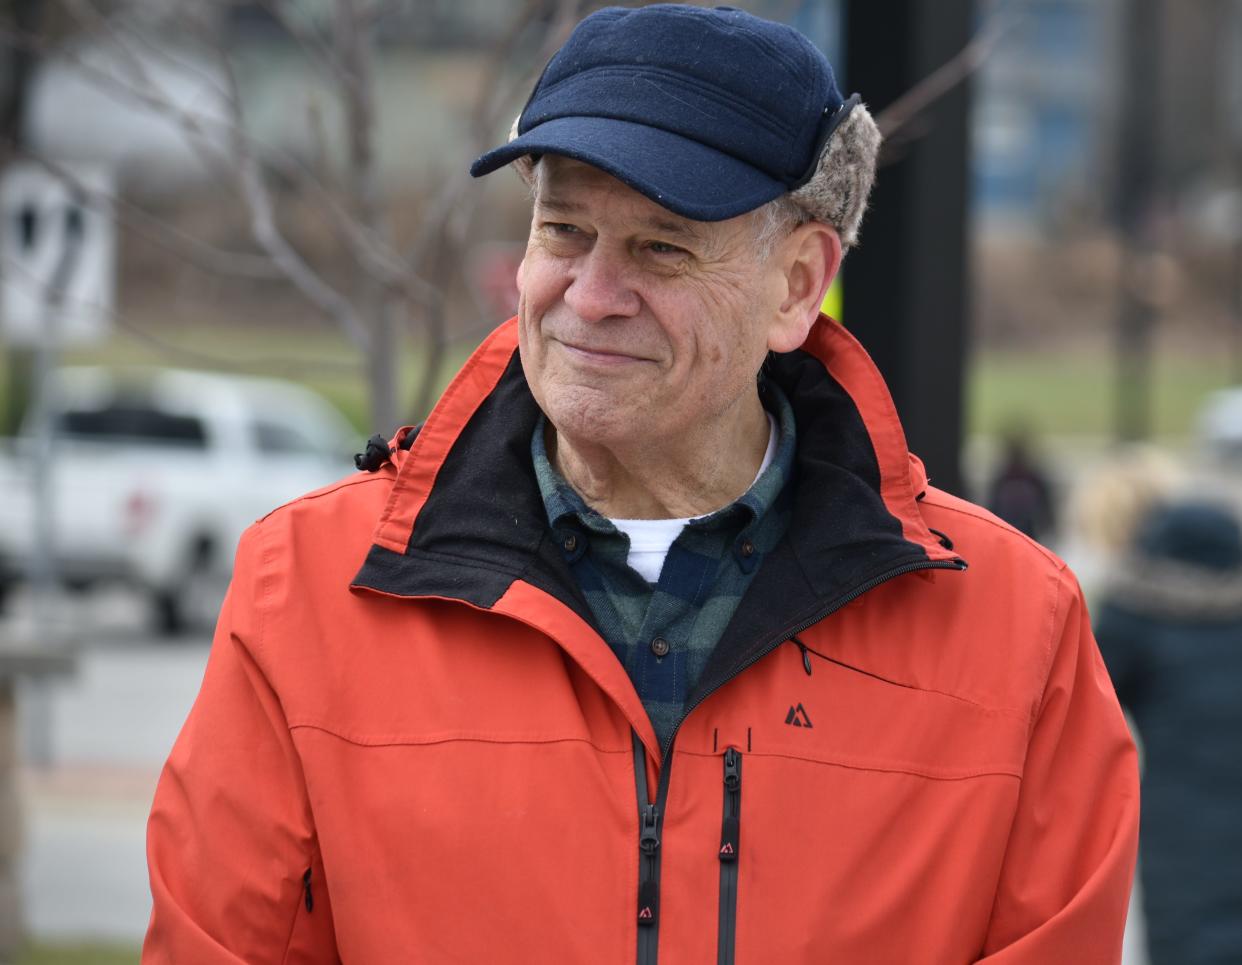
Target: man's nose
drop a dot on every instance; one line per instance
(601, 287)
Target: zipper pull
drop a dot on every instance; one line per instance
(648, 886)
(306, 887)
(730, 825)
(806, 656)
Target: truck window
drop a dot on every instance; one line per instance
(130, 423)
(273, 437)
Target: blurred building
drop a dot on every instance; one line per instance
(1044, 124)
(1049, 98)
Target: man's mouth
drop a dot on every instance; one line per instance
(599, 356)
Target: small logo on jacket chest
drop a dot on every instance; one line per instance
(798, 717)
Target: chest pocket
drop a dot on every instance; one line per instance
(804, 704)
(848, 715)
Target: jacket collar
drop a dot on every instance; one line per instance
(464, 519)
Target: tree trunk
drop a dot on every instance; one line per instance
(376, 299)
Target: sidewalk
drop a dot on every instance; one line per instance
(84, 875)
(104, 734)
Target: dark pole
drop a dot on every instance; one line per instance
(906, 284)
(1236, 306)
(1135, 210)
(17, 65)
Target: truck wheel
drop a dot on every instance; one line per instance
(193, 603)
(168, 613)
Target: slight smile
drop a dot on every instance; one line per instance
(599, 356)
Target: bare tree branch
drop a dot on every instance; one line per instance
(192, 125)
(313, 45)
(378, 9)
(371, 255)
(263, 227)
(248, 173)
(486, 115)
(85, 13)
(898, 122)
(281, 365)
(388, 282)
(353, 49)
(442, 236)
(193, 250)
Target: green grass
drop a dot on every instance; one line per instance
(1072, 394)
(47, 953)
(1064, 394)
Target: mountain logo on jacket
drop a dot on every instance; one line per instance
(798, 717)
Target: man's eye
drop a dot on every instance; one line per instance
(664, 248)
(563, 229)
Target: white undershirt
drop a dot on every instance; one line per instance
(651, 538)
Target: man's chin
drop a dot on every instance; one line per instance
(594, 417)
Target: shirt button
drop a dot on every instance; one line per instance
(659, 646)
(570, 543)
(748, 548)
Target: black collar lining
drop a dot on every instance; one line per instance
(484, 526)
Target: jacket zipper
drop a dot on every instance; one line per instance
(730, 845)
(650, 826)
(651, 816)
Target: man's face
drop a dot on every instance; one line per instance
(636, 324)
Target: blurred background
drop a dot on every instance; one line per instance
(237, 238)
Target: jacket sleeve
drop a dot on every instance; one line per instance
(231, 840)
(1065, 880)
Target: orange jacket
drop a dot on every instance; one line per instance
(411, 746)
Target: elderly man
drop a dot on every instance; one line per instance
(654, 643)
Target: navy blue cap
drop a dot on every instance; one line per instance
(708, 112)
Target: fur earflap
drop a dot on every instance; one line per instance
(838, 190)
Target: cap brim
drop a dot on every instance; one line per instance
(684, 176)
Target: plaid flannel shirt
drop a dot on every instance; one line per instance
(663, 634)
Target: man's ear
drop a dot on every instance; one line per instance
(809, 259)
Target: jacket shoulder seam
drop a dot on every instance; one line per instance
(983, 516)
(330, 490)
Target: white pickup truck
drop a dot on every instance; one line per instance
(156, 474)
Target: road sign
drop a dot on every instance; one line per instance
(42, 216)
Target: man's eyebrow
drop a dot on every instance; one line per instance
(678, 229)
(558, 205)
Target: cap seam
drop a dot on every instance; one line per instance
(713, 93)
(738, 34)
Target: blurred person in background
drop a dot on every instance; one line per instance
(654, 642)
(1106, 504)
(1020, 492)
(1170, 628)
